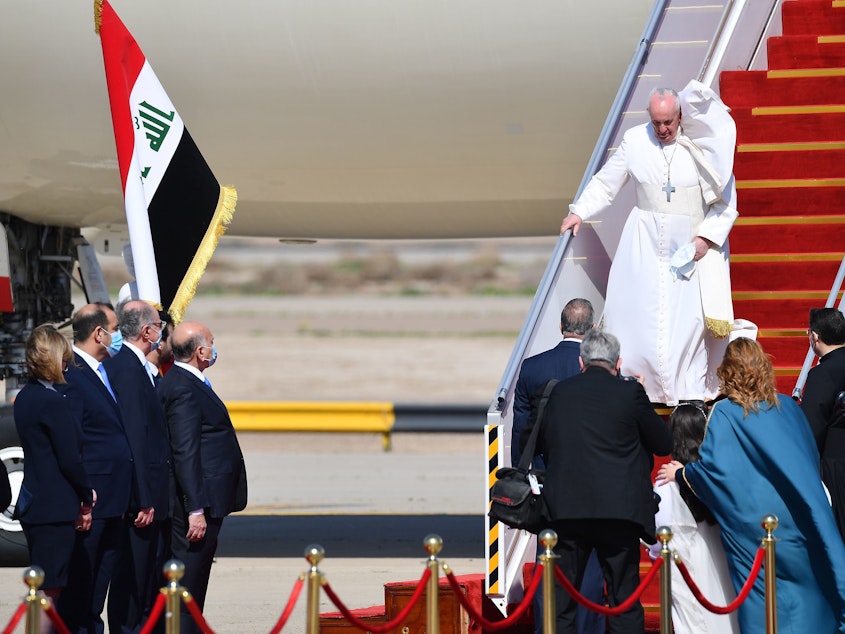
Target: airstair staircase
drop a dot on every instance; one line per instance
(788, 244)
(780, 66)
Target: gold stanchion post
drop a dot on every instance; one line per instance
(433, 545)
(664, 535)
(173, 571)
(770, 523)
(34, 578)
(314, 555)
(548, 540)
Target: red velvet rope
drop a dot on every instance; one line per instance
(601, 609)
(390, 625)
(743, 594)
(513, 617)
(155, 613)
(195, 612)
(16, 618)
(55, 619)
(294, 595)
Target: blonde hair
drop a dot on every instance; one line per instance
(46, 350)
(747, 376)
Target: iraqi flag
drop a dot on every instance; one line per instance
(175, 208)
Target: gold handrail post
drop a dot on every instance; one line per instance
(34, 578)
(173, 571)
(314, 555)
(548, 540)
(664, 535)
(433, 544)
(770, 523)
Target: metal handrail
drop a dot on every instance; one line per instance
(623, 96)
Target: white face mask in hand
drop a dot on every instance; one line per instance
(682, 261)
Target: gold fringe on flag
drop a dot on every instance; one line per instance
(98, 15)
(216, 228)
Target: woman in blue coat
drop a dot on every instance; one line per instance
(759, 457)
(55, 499)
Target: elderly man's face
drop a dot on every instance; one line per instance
(664, 119)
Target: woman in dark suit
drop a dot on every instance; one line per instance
(55, 499)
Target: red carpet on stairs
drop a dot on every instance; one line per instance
(788, 242)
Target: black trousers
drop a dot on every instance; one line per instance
(617, 545)
(138, 576)
(197, 557)
(92, 564)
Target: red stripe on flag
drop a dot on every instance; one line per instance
(123, 61)
(6, 303)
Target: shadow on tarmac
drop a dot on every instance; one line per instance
(351, 535)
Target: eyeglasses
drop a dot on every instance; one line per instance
(159, 325)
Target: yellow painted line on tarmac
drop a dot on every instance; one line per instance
(307, 416)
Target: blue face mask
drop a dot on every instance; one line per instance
(116, 342)
(213, 355)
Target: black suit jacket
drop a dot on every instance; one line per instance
(54, 481)
(105, 449)
(207, 461)
(146, 429)
(824, 382)
(599, 434)
(561, 362)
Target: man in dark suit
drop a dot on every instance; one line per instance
(561, 362)
(108, 461)
(598, 436)
(210, 476)
(142, 553)
(819, 402)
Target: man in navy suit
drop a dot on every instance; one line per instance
(210, 476)
(108, 461)
(141, 558)
(561, 362)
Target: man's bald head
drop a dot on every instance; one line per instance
(188, 341)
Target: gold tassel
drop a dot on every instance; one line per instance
(222, 217)
(720, 328)
(98, 16)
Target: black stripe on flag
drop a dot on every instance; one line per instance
(180, 215)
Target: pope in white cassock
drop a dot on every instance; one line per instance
(668, 292)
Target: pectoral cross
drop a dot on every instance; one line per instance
(668, 189)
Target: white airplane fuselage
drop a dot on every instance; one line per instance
(333, 119)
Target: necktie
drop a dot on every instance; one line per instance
(207, 382)
(105, 378)
(150, 372)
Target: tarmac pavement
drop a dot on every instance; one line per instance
(369, 509)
